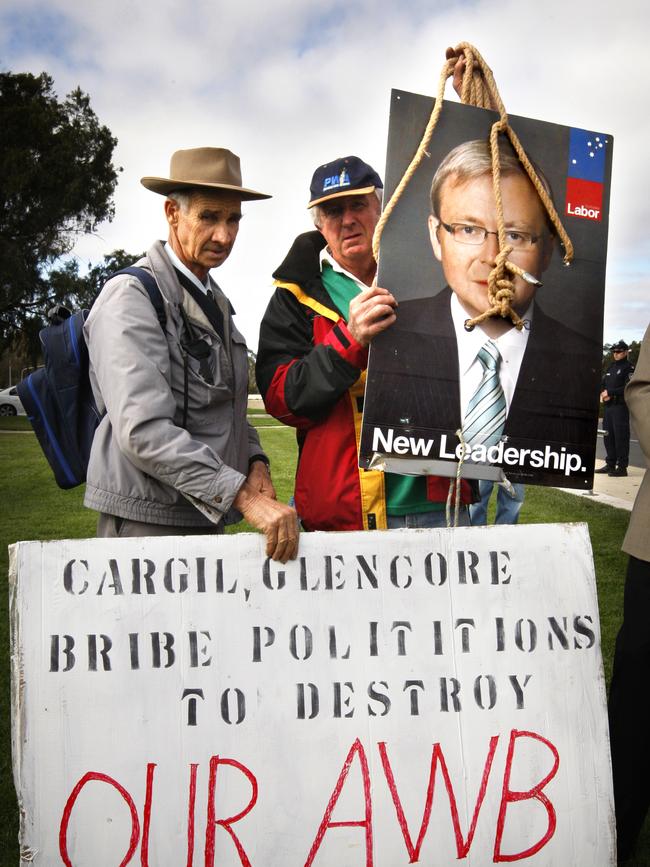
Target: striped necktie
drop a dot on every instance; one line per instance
(486, 412)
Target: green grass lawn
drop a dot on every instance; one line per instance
(34, 508)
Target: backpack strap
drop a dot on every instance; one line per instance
(149, 282)
(196, 348)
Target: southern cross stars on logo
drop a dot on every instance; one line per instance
(586, 174)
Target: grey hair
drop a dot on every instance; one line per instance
(473, 159)
(182, 197)
(317, 214)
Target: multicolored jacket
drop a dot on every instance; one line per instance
(312, 373)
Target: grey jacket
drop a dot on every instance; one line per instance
(144, 466)
(637, 398)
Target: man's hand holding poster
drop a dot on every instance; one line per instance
(526, 400)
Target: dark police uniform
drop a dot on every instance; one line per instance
(616, 420)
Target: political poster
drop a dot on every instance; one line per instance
(525, 400)
(387, 699)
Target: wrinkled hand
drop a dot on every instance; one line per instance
(260, 479)
(278, 522)
(371, 312)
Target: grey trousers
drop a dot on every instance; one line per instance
(112, 527)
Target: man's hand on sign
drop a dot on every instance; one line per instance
(371, 312)
(278, 522)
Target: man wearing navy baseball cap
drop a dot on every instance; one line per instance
(313, 354)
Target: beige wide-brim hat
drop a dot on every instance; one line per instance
(203, 169)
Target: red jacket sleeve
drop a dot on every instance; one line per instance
(305, 362)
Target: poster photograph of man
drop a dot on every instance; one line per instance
(515, 391)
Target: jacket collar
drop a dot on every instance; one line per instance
(301, 265)
(169, 284)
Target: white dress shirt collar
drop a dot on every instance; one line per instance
(176, 262)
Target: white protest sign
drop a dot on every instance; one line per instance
(388, 698)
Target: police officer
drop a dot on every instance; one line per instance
(616, 416)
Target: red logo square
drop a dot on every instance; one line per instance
(584, 199)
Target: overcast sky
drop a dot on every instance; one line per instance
(290, 84)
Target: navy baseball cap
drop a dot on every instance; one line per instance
(346, 176)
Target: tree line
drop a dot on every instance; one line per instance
(58, 180)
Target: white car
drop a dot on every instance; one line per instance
(10, 402)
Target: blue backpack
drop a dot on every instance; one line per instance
(58, 397)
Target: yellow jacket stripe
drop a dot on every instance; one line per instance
(371, 482)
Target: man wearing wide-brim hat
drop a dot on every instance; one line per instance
(173, 453)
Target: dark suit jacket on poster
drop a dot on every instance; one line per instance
(413, 379)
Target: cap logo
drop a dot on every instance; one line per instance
(335, 182)
(342, 177)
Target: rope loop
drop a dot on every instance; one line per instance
(479, 88)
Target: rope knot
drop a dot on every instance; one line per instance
(501, 290)
(504, 296)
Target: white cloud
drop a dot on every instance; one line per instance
(289, 85)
